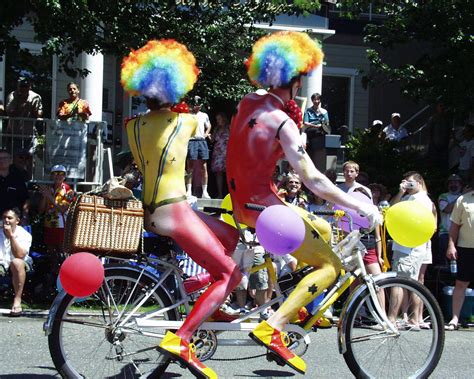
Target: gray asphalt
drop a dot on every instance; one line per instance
(24, 354)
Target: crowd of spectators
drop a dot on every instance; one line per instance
(54, 199)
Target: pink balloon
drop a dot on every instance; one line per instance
(358, 221)
(81, 274)
(280, 230)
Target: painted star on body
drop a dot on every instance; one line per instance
(315, 234)
(252, 123)
(173, 160)
(313, 289)
(169, 120)
(301, 149)
(311, 217)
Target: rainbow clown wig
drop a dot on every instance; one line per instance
(164, 70)
(279, 57)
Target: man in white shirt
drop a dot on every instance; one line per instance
(350, 170)
(15, 244)
(198, 152)
(394, 131)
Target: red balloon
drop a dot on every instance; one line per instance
(81, 274)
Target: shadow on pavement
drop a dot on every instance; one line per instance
(268, 374)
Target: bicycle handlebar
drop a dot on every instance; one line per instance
(260, 208)
(217, 210)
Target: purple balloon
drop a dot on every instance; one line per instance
(280, 230)
(358, 221)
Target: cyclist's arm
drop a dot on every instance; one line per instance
(313, 179)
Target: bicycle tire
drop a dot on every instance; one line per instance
(373, 352)
(81, 342)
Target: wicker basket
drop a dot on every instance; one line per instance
(100, 225)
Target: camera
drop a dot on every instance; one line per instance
(410, 185)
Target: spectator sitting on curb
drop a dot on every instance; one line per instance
(15, 244)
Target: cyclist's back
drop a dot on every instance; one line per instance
(253, 152)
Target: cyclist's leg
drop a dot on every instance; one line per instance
(315, 252)
(181, 223)
(226, 234)
(198, 240)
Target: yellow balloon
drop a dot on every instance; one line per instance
(409, 223)
(227, 204)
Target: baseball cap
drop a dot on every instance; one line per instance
(454, 177)
(395, 115)
(197, 101)
(58, 168)
(377, 122)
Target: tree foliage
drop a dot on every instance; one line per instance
(219, 33)
(442, 32)
(386, 161)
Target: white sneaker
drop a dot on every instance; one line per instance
(205, 195)
(229, 310)
(328, 313)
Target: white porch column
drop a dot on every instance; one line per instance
(312, 84)
(92, 84)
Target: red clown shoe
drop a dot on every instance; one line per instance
(179, 350)
(276, 342)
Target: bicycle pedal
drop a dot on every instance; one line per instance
(272, 357)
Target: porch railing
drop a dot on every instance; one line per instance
(37, 144)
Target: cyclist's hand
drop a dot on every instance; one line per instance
(373, 215)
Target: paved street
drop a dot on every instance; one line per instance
(24, 354)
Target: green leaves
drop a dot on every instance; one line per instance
(433, 40)
(219, 33)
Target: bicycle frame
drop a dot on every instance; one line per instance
(348, 249)
(150, 319)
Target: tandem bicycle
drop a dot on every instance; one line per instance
(115, 331)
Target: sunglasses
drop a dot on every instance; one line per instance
(58, 173)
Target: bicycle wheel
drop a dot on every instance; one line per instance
(374, 351)
(86, 342)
